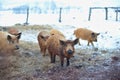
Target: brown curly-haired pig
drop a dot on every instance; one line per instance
(86, 34)
(58, 45)
(42, 37)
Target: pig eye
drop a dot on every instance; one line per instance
(93, 34)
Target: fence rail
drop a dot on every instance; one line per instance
(116, 9)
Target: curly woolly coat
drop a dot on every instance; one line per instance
(8, 42)
(55, 31)
(58, 45)
(42, 37)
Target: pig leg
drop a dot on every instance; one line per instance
(92, 43)
(54, 58)
(68, 62)
(88, 43)
(44, 51)
(79, 42)
(51, 58)
(62, 61)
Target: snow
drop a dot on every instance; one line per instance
(109, 37)
(109, 30)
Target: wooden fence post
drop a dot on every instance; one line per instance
(106, 13)
(26, 23)
(90, 12)
(116, 14)
(60, 15)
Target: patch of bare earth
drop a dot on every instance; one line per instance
(27, 63)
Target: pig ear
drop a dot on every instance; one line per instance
(98, 34)
(52, 34)
(9, 38)
(62, 42)
(19, 35)
(42, 37)
(76, 41)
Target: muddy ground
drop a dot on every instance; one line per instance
(27, 63)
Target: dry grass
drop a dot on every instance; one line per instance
(26, 59)
(29, 64)
(33, 27)
(29, 45)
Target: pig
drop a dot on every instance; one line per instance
(58, 45)
(8, 42)
(86, 34)
(42, 38)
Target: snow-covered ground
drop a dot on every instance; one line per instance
(109, 37)
(109, 30)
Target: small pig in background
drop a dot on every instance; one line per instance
(42, 38)
(86, 34)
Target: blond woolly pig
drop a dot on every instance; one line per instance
(86, 34)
